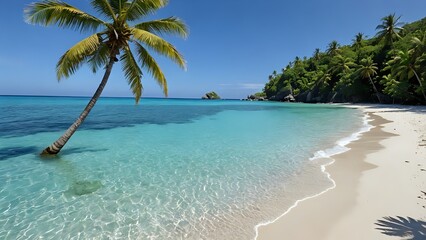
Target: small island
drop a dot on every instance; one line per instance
(211, 96)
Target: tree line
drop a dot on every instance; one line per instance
(387, 68)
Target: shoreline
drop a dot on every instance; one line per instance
(327, 215)
(326, 155)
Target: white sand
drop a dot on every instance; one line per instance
(383, 175)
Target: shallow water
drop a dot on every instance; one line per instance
(164, 169)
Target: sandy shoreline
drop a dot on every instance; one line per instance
(379, 184)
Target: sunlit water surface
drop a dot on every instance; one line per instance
(163, 169)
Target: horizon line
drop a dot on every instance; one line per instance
(79, 96)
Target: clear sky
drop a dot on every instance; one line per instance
(232, 48)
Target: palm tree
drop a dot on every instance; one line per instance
(419, 54)
(323, 79)
(419, 48)
(341, 65)
(111, 44)
(297, 61)
(274, 73)
(390, 86)
(402, 66)
(316, 54)
(366, 69)
(389, 29)
(358, 41)
(333, 48)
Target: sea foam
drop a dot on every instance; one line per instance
(341, 144)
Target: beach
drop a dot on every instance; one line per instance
(191, 169)
(379, 185)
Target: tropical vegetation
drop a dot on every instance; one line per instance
(115, 37)
(389, 67)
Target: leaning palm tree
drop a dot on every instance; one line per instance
(115, 40)
(418, 48)
(418, 51)
(366, 69)
(389, 29)
(402, 66)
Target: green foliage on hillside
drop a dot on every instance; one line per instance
(389, 68)
(260, 95)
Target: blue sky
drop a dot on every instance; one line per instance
(232, 48)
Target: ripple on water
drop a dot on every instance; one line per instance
(192, 177)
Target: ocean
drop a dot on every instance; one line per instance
(163, 169)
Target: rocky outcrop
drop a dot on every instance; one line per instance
(311, 97)
(283, 96)
(289, 98)
(255, 98)
(280, 95)
(302, 96)
(210, 96)
(316, 96)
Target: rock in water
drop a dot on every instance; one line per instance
(211, 95)
(84, 187)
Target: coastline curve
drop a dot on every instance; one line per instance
(328, 153)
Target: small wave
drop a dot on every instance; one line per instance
(341, 144)
(339, 148)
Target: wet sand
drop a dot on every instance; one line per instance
(380, 179)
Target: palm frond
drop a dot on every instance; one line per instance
(51, 12)
(159, 45)
(132, 72)
(141, 8)
(381, 26)
(366, 68)
(171, 25)
(116, 5)
(389, 29)
(99, 58)
(104, 8)
(416, 41)
(149, 63)
(75, 56)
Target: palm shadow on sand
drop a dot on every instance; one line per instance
(406, 228)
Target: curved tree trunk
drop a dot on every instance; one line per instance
(420, 83)
(56, 146)
(375, 89)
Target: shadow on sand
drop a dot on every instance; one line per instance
(406, 228)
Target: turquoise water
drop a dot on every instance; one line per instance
(163, 169)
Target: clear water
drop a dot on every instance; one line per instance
(163, 169)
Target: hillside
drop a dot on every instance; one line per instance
(388, 68)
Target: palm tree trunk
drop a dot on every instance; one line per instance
(375, 89)
(420, 83)
(56, 146)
